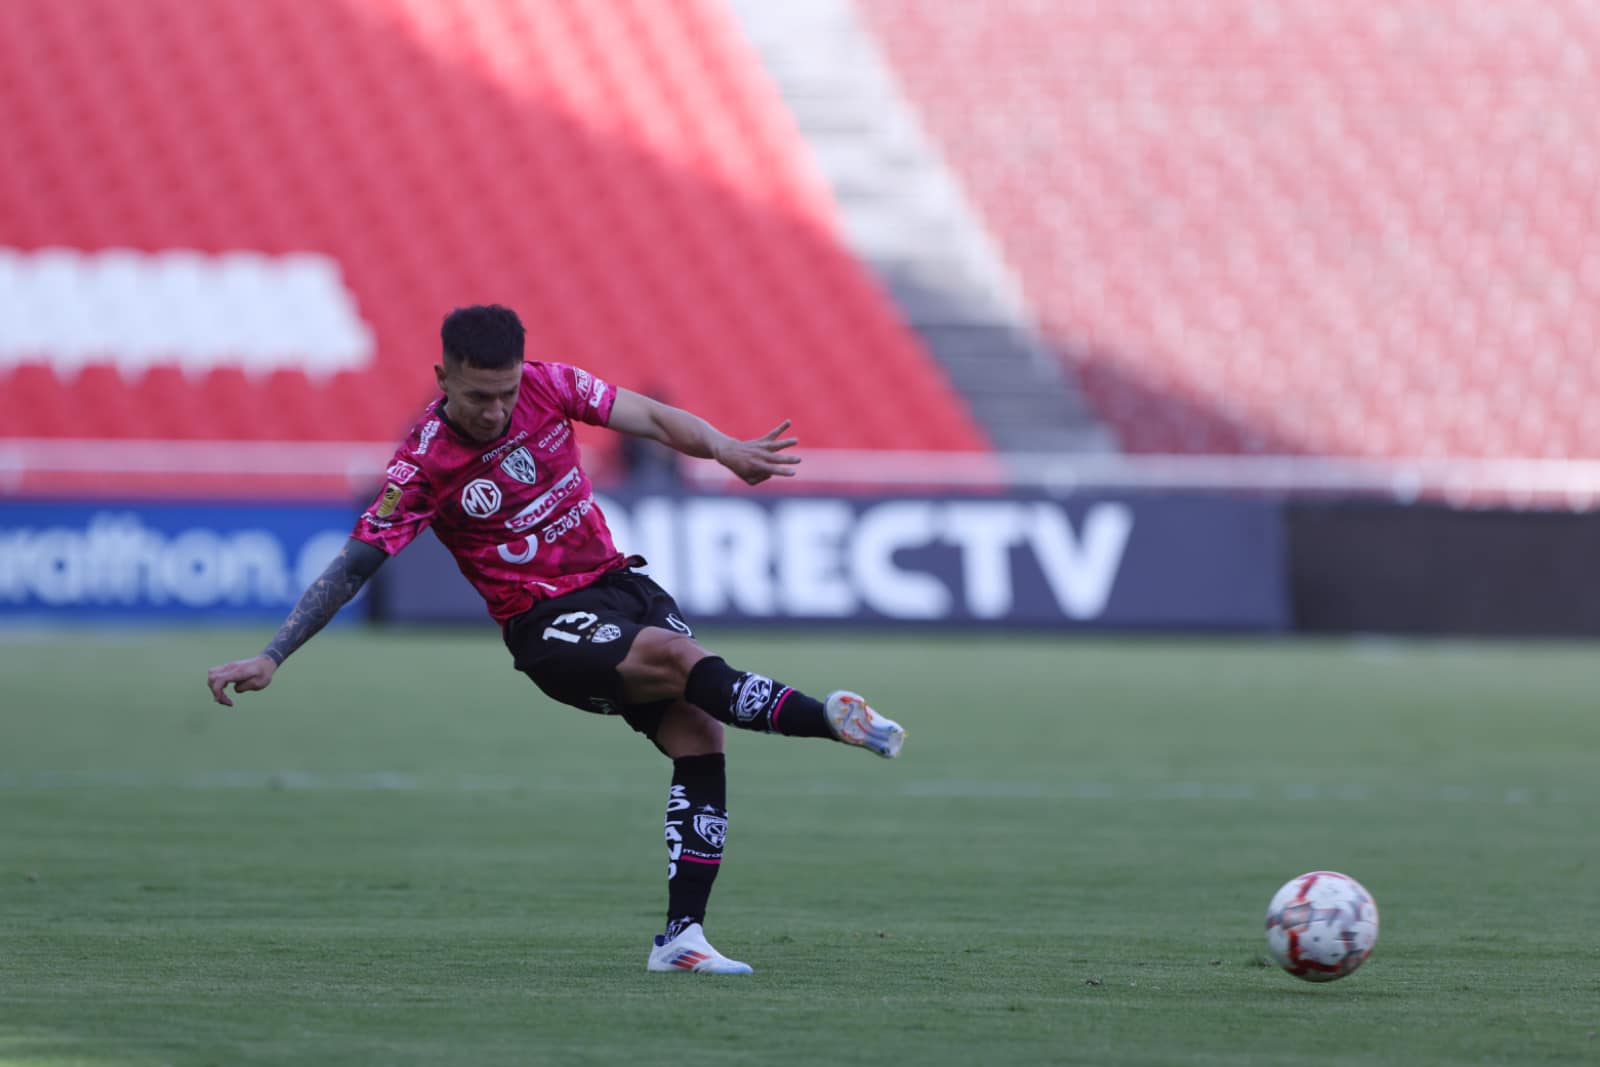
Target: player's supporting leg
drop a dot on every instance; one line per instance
(696, 829)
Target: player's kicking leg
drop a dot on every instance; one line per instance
(853, 721)
(663, 664)
(753, 701)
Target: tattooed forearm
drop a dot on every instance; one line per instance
(332, 590)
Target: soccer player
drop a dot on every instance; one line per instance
(493, 467)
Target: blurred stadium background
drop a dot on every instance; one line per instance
(1128, 307)
(1103, 324)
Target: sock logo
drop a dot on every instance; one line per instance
(751, 695)
(713, 830)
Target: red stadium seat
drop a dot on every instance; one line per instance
(620, 172)
(1352, 223)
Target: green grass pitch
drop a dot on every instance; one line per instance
(403, 854)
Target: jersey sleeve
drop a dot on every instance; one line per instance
(578, 394)
(403, 509)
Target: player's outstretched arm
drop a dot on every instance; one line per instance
(321, 601)
(754, 460)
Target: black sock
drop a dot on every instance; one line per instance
(754, 701)
(697, 825)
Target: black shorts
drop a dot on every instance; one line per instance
(572, 645)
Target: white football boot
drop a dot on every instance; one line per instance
(690, 951)
(853, 721)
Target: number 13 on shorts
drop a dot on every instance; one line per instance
(575, 621)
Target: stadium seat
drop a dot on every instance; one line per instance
(620, 172)
(1361, 227)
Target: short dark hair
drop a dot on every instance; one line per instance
(487, 336)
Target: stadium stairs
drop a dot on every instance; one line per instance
(905, 216)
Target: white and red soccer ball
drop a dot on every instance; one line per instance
(1321, 925)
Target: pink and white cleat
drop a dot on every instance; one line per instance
(853, 721)
(690, 951)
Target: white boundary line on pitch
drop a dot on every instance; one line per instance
(941, 788)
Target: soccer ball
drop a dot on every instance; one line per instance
(1321, 925)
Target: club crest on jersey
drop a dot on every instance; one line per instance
(519, 465)
(481, 498)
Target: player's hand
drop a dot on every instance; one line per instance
(245, 675)
(762, 457)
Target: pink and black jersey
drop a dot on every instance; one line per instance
(518, 513)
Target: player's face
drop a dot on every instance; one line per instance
(478, 400)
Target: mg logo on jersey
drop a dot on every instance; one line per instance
(481, 498)
(519, 464)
